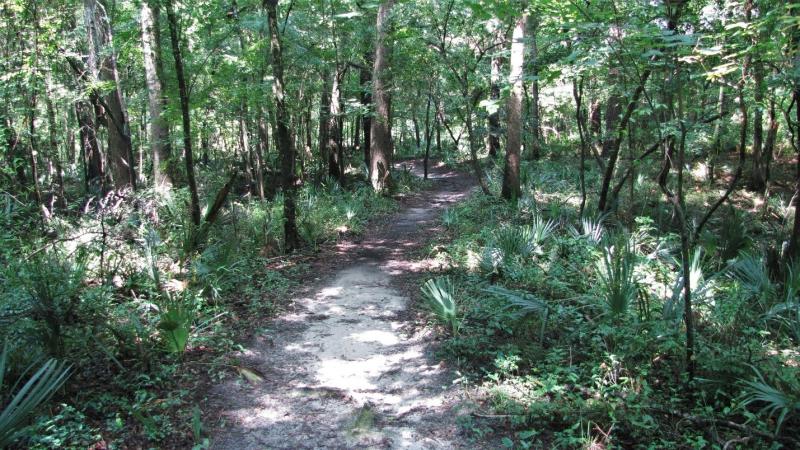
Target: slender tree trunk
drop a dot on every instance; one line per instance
(184, 96)
(758, 177)
(428, 134)
(263, 136)
(794, 241)
(308, 154)
(334, 143)
(381, 137)
(769, 145)
(613, 111)
(54, 150)
(577, 93)
(603, 203)
(159, 128)
(535, 125)
(438, 127)
(717, 135)
(511, 187)
(33, 147)
(92, 158)
(417, 139)
(364, 78)
(493, 138)
(324, 123)
(253, 158)
(291, 240)
(103, 65)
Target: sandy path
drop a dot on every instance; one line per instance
(344, 368)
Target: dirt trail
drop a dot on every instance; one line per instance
(345, 368)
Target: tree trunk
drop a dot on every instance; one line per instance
(769, 145)
(324, 123)
(381, 138)
(364, 78)
(291, 241)
(758, 177)
(794, 241)
(263, 136)
(33, 147)
(187, 129)
(511, 188)
(253, 157)
(54, 151)
(613, 111)
(92, 158)
(103, 65)
(493, 138)
(603, 204)
(717, 150)
(334, 144)
(159, 129)
(428, 134)
(535, 125)
(577, 93)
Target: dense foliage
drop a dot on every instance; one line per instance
(626, 275)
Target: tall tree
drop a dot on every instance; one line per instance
(493, 138)
(381, 138)
(284, 138)
(335, 148)
(183, 92)
(364, 78)
(534, 121)
(511, 188)
(112, 111)
(160, 147)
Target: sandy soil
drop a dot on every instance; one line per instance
(345, 367)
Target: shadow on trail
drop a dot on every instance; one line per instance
(341, 371)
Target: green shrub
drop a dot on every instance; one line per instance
(616, 274)
(20, 402)
(439, 296)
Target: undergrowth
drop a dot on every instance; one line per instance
(141, 328)
(571, 328)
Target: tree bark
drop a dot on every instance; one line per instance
(577, 93)
(160, 147)
(794, 241)
(291, 240)
(91, 156)
(381, 138)
(493, 138)
(428, 134)
(364, 78)
(769, 145)
(511, 187)
(603, 203)
(334, 144)
(535, 123)
(187, 129)
(758, 177)
(54, 150)
(717, 150)
(112, 110)
(324, 123)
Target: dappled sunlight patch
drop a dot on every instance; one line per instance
(378, 336)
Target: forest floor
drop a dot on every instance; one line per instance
(348, 364)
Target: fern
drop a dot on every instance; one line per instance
(439, 296)
(783, 402)
(47, 379)
(617, 279)
(524, 303)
